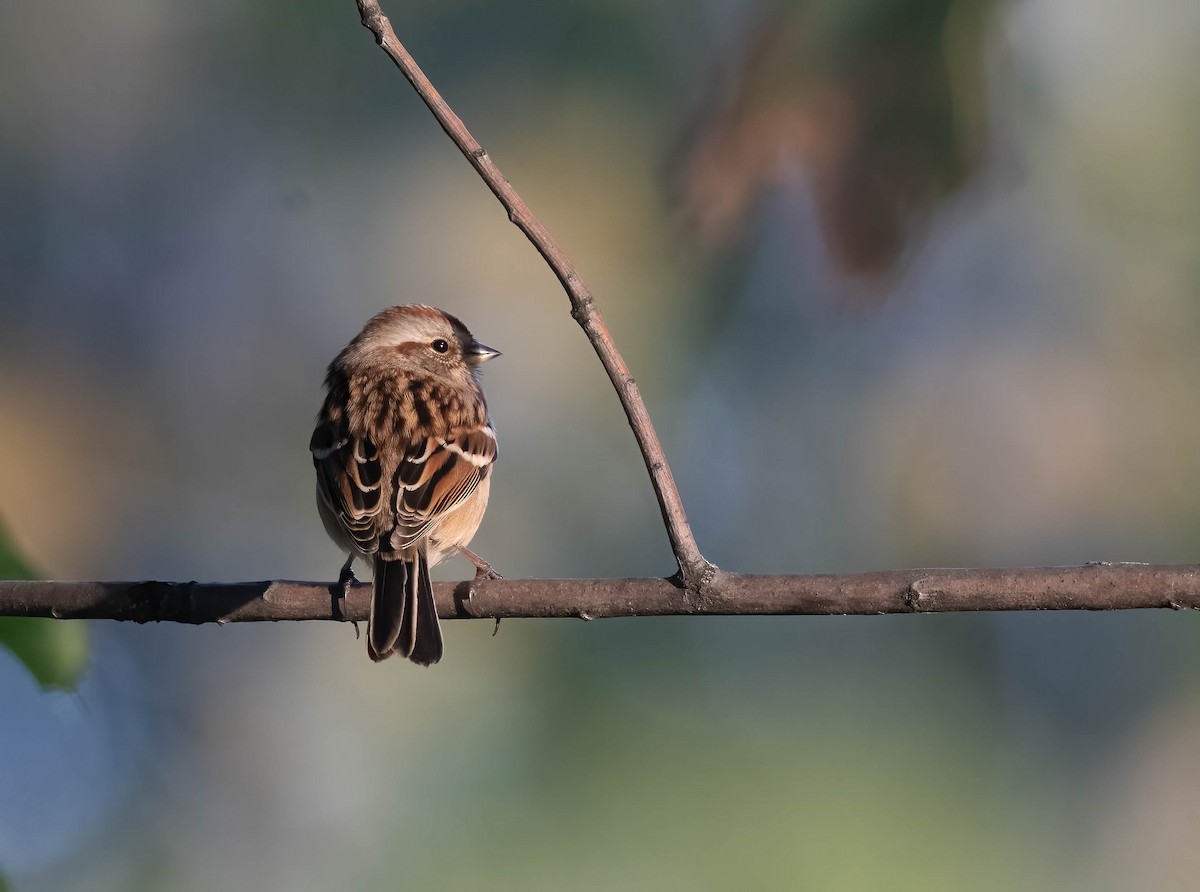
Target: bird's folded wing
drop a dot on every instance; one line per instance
(348, 479)
(436, 476)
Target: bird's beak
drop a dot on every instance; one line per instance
(477, 353)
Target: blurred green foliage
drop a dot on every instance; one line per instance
(55, 652)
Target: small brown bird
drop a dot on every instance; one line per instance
(404, 450)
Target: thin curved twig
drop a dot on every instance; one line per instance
(695, 571)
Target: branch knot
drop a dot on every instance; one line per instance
(583, 305)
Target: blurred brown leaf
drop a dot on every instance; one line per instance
(881, 103)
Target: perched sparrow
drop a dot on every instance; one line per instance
(404, 451)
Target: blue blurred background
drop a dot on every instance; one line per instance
(904, 282)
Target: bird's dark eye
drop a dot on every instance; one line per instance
(440, 345)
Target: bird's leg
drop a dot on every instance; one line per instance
(346, 579)
(483, 570)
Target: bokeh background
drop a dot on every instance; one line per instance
(905, 283)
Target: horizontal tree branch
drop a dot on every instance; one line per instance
(1090, 587)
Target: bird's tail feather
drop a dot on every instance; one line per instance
(403, 617)
(427, 638)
